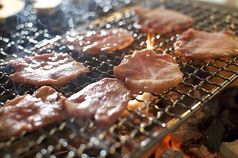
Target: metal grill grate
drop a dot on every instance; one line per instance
(139, 130)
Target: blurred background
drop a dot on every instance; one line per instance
(229, 3)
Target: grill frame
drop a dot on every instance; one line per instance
(123, 134)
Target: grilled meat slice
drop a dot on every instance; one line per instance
(96, 42)
(201, 45)
(148, 72)
(47, 69)
(104, 100)
(30, 112)
(161, 20)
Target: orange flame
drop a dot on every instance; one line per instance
(150, 40)
(167, 143)
(139, 104)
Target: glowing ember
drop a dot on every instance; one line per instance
(166, 144)
(150, 40)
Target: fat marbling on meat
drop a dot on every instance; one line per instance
(147, 71)
(46, 69)
(31, 112)
(96, 42)
(202, 45)
(161, 20)
(104, 100)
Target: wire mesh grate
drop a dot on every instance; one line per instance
(140, 128)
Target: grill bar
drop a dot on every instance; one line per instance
(137, 133)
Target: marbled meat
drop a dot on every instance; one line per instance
(96, 42)
(201, 45)
(30, 112)
(161, 20)
(147, 71)
(47, 69)
(104, 100)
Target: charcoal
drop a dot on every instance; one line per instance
(229, 118)
(172, 153)
(213, 130)
(210, 142)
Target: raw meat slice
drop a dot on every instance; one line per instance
(161, 20)
(30, 112)
(96, 42)
(47, 69)
(148, 72)
(201, 45)
(104, 100)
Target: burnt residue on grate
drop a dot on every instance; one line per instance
(140, 128)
